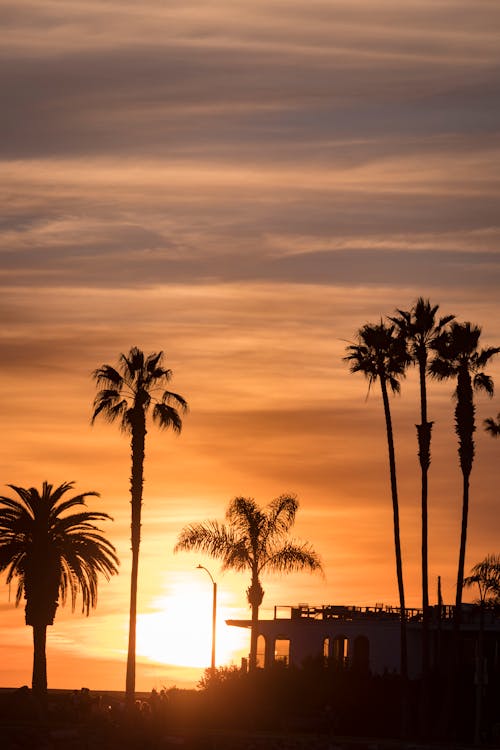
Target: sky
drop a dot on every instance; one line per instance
(241, 185)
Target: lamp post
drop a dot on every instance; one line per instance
(214, 615)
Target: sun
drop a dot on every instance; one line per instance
(179, 629)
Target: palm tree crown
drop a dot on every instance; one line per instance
(254, 539)
(131, 389)
(420, 328)
(379, 354)
(52, 553)
(458, 356)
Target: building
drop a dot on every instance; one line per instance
(368, 638)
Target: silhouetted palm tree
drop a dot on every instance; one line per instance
(51, 553)
(126, 395)
(493, 425)
(458, 356)
(379, 354)
(486, 576)
(254, 539)
(420, 328)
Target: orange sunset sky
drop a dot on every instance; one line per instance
(241, 185)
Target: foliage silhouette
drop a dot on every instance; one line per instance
(419, 327)
(52, 554)
(380, 354)
(127, 394)
(486, 576)
(493, 425)
(457, 356)
(254, 539)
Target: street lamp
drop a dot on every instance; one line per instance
(214, 615)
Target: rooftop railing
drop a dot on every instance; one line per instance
(378, 611)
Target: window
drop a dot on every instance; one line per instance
(282, 651)
(326, 650)
(340, 651)
(261, 651)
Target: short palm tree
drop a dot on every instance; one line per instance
(486, 576)
(493, 425)
(51, 553)
(254, 539)
(457, 355)
(126, 394)
(380, 354)
(420, 327)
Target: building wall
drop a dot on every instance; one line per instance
(307, 641)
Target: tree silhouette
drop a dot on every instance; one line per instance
(486, 576)
(420, 328)
(254, 539)
(126, 394)
(379, 354)
(458, 356)
(51, 553)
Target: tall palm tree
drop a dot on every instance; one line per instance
(420, 328)
(380, 354)
(51, 553)
(126, 394)
(254, 539)
(457, 356)
(492, 425)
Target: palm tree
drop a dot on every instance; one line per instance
(486, 576)
(254, 539)
(420, 328)
(51, 554)
(458, 356)
(126, 394)
(379, 354)
(493, 426)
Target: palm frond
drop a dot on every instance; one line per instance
(485, 355)
(108, 377)
(167, 416)
(492, 426)
(292, 557)
(281, 515)
(483, 382)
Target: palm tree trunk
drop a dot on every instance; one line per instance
(463, 544)
(136, 485)
(39, 678)
(397, 540)
(464, 427)
(424, 430)
(254, 634)
(255, 594)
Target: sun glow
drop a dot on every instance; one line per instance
(179, 630)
